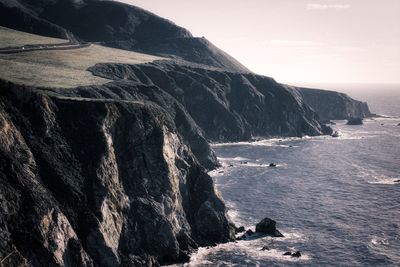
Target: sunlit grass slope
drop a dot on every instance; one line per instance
(63, 68)
(12, 38)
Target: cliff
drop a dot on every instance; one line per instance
(227, 106)
(104, 152)
(332, 105)
(99, 182)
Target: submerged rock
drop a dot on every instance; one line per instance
(354, 121)
(247, 234)
(268, 226)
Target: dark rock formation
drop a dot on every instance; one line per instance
(268, 226)
(240, 105)
(287, 253)
(354, 121)
(296, 254)
(99, 182)
(240, 229)
(335, 134)
(272, 165)
(331, 105)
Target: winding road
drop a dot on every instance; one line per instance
(41, 47)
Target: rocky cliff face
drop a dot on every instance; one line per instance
(227, 106)
(99, 182)
(332, 105)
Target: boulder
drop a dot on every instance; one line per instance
(335, 134)
(247, 234)
(240, 229)
(297, 254)
(354, 121)
(268, 226)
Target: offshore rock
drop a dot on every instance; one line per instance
(268, 226)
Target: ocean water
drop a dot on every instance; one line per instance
(335, 199)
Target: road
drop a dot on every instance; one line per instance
(41, 47)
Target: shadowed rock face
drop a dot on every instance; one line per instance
(332, 105)
(226, 106)
(99, 182)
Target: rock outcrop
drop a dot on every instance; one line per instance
(227, 106)
(268, 226)
(330, 105)
(354, 121)
(99, 182)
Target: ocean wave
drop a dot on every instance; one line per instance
(381, 179)
(377, 241)
(250, 253)
(243, 162)
(270, 142)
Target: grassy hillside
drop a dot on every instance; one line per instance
(12, 38)
(61, 68)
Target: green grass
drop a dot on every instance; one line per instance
(12, 38)
(64, 68)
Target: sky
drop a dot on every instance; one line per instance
(298, 41)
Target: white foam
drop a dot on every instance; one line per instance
(381, 179)
(278, 142)
(250, 250)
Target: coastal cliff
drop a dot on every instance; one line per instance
(88, 182)
(107, 165)
(331, 105)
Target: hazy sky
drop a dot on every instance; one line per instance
(298, 41)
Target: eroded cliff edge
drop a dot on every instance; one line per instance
(99, 182)
(331, 105)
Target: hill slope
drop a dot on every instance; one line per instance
(113, 24)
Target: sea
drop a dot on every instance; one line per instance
(336, 200)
